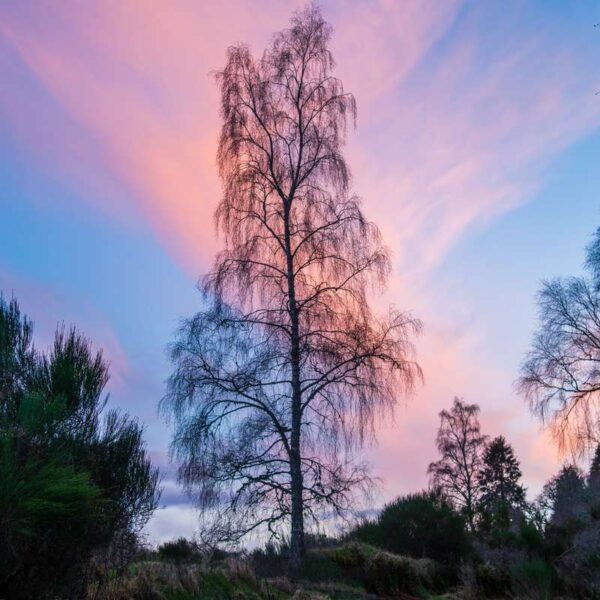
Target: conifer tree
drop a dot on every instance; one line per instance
(594, 475)
(501, 490)
(570, 496)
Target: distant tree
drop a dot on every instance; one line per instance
(594, 474)
(71, 482)
(461, 444)
(499, 480)
(281, 377)
(560, 375)
(572, 533)
(423, 525)
(569, 496)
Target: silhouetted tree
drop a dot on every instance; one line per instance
(71, 482)
(572, 533)
(499, 480)
(560, 375)
(280, 378)
(461, 444)
(569, 495)
(594, 475)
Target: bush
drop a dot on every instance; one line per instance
(271, 560)
(389, 575)
(384, 573)
(532, 539)
(420, 525)
(351, 556)
(342, 564)
(178, 551)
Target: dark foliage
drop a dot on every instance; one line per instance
(389, 576)
(423, 525)
(491, 581)
(502, 495)
(179, 551)
(73, 482)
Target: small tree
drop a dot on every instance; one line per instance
(461, 444)
(281, 377)
(500, 488)
(560, 375)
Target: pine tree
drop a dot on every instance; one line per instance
(594, 475)
(501, 491)
(570, 496)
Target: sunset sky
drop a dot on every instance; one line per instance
(477, 152)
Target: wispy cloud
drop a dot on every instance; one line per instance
(462, 109)
(454, 129)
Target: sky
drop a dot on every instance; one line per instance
(476, 152)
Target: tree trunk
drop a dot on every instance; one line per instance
(297, 484)
(297, 529)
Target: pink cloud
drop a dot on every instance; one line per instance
(443, 145)
(136, 83)
(143, 108)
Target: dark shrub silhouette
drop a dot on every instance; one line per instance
(74, 482)
(422, 525)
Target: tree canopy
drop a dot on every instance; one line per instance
(560, 375)
(461, 444)
(499, 478)
(280, 378)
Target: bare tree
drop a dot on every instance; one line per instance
(280, 379)
(561, 373)
(461, 444)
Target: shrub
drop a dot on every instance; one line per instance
(343, 565)
(384, 573)
(420, 525)
(271, 560)
(351, 555)
(389, 575)
(531, 539)
(178, 551)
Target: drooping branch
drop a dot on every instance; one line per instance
(283, 374)
(561, 374)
